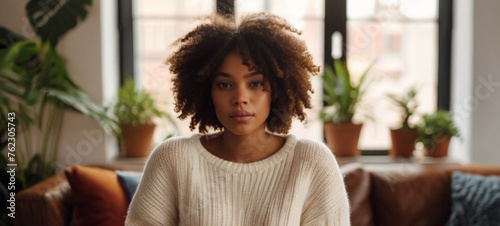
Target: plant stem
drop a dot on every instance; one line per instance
(20, 157)
(47, 132)
(58, 129)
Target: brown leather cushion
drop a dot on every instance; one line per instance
(98, 196)
(358, 186)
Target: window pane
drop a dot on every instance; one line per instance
(244, 6)
(421, 9)
(157, 24)
(394, 9)
(403, 36)
(313, 35)
(292, 9)
(360, 9)
(169, 8)
(407, 56)
(154, 39)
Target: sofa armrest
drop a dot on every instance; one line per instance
(358, 186)
(47, 203)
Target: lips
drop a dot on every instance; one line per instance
(241, 116)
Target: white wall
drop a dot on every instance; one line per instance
(486, 74)
(461, 86)
(12, 16)
(476, 80)
(91, 51)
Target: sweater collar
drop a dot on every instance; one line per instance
(285, 151)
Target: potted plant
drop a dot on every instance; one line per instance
(436, 131)
(35, 86)
(341, 97)
(134, 112)
(37, 90)
(403, 138)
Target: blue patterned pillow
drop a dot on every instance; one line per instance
(130, 181)
(475, 200)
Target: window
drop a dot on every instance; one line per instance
(157, 24)
(410, 40)
(404, 34)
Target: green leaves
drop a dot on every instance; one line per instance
(408, 104)
(29, 68)
(9, 38)
(341, 95)
(435, 126)
(136, 107)
(51, 19)
(35, 85)
(79, 101)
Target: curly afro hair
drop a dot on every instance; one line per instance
(269, 41)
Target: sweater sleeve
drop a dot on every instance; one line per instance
(155, 201)
(327, 202)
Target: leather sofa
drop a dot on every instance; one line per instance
(404, 193)
(380, 194)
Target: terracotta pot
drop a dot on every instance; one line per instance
(137, 139)
(441, 148)
(403, 142)
(342, 138)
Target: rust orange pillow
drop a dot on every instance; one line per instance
(98, 196)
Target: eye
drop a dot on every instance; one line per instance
(223, 85)
(256, 84)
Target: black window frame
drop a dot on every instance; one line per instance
(126, 40)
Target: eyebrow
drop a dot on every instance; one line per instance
(251, 74)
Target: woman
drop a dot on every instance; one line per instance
(246, 81)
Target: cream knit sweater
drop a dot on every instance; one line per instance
(184, 184)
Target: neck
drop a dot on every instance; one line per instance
(247, 148)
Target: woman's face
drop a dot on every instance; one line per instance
(241, 97)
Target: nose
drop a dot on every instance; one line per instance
(240, 96)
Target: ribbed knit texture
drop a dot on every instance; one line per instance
(184, 184)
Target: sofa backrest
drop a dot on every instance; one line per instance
(415, 194)
(411, 195)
